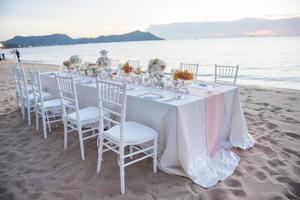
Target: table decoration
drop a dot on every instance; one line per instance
(74, 63)
(156, 68)
(126, 70)
(182, 79)
(103, 61)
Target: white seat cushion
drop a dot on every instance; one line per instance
(87, 115)
(134, 133)
(53, 103)
(45, 95)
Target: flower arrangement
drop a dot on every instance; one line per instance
(103, 60)
(127, 68)
(155, 65)
(183, 75)
(75, 60)
(138, 70)
(67, 64)
(89, 67)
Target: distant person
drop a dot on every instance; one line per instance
(3, 56)
(18, 55)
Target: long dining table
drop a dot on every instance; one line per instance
(196, 130)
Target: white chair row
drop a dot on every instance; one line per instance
(105, 121)
(223, 74)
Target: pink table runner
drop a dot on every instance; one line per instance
(214, 106)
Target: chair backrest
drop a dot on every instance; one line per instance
(68, 95)
(226, 74)
(22, 83)
(190, 67)
(114, 63)
(112, 99)
(134, 63)
(37, 90)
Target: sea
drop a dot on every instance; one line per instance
(263, 61)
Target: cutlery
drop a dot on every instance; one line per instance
(173, 98)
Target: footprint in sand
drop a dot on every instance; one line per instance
(291, 151)
(2, 190)
(275, 109)
(270, 171)
(239, 193)
(265, 149)
(260, 175)
(271, 125)
(218, 193)
(292, 135)
(295, 188)
(283, 179)
(275, 163)
(233, 183)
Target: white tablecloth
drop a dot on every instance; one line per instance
(181, 127)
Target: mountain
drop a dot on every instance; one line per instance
(238, 28)
(62, 39)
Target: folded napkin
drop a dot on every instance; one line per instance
(214, 105)
(152, 96)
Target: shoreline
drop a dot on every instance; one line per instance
(47, 65)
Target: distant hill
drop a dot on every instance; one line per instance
(239, 28)
(62, 39)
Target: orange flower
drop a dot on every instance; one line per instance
(127, 68)
(183, 75)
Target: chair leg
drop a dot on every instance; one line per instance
(100, 152)
(44, 123)
(23, 109)
(36, 119)
(65, 133)
(130, 151)
(155, 155)
(81, 143)
(48, 121)
(29, 114)
(122, 170)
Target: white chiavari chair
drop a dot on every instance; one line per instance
(48, 110)
(17, 88)
(192, 67)
(27, 97)
(82, 120)
(112, 99)
(114, 63)
(226, 74)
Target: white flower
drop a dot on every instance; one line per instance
(103, 60)
(156, 65)
(75, 59)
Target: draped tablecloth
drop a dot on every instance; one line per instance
(181, 124)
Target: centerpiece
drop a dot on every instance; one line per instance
(74, 63)
(156, 68)
(126, 70)
(182, 79)
(104, 63)
(89, 68)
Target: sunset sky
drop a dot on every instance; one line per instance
(90, 18)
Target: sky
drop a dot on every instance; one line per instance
(91, 18)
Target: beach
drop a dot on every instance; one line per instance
(32, 167)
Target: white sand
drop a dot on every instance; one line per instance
(34, 168)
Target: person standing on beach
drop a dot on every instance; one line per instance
(3, 56)
(18, 55)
